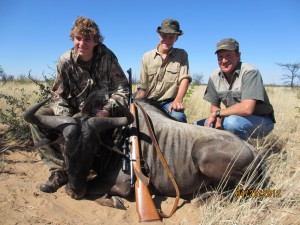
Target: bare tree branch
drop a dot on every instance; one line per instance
(293, 74)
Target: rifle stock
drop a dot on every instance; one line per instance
(144, 203)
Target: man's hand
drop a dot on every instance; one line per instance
(102, 113)
(176, 105)
(214, 121)
(54, 95)
(211, 120)
(218, 124)
(77, 115)
(141, 94)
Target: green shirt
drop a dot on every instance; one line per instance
(246, 84)
(161, 78)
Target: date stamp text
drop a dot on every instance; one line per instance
(259, 193)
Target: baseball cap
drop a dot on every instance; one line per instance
(227, 44)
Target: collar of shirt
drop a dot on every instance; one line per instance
(236, 72)
(75, 55)
(158, 53)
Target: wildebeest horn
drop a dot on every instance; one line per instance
(53, 122)
(104, 123)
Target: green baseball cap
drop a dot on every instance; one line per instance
(227, 44)
(170, 26)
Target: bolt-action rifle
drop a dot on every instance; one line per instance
(144, 203)
(127, 162)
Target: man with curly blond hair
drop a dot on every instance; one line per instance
(87, 68)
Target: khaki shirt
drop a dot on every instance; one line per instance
(161, 78)
(246, 84)
(75, 80)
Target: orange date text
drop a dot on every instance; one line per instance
(259, 193)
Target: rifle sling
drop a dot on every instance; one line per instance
(163, 161)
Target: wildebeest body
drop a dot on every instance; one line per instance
(196, 155)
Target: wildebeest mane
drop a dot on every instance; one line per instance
(158, 106)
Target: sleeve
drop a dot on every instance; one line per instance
(211, 94)
(119, 84)
(59, 103)
(253, 87)
(143, 83)
(184, 72)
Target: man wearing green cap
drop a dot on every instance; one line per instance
(239, 86)
(165, 75)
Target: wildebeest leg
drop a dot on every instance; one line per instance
(111, 201)
(223, 165)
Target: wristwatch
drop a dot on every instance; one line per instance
(217, 113)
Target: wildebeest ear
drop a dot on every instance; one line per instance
(104, 123)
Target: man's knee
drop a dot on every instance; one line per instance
(234, 125)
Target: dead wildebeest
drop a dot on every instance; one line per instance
(197, 156)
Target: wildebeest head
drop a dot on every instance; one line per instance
(81, 134)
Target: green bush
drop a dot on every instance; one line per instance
(188, 93)
(12, 116)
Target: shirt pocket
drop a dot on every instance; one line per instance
(172, 73)
(231, 98)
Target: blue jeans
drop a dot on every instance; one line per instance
(178, 115)
(245, 126)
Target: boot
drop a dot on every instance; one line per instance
(55, 181)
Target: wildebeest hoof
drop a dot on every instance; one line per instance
(114, 202)
(76, 195)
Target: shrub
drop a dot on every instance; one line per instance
(12, 116)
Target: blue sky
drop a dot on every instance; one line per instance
(35, 33)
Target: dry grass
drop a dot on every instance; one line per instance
(282, 164)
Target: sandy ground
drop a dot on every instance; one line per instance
(21, 201)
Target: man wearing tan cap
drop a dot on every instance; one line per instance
(239, 86)
(165, 75)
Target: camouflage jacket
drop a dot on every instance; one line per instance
(76, 79)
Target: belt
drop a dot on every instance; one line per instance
(165, 101)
